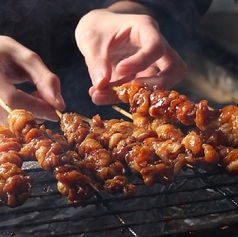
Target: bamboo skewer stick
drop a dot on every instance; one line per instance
(5, 106)
(118, 109)
(235, 100)
(58, 113)
(122, 111)
(85, 119)
(189, 166)
(114, 88)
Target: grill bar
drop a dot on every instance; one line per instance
(197, 202)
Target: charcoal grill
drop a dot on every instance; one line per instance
(197, 203)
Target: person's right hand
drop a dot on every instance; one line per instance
(19, 64)
(122, 47)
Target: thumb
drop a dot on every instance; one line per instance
(46, 82)
(99, 70)
(94, 48)
(49, 89)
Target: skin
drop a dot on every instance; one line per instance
(124, 43)
(19, 64)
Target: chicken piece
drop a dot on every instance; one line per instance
(228, 124)
(15, 186)
(165, 106)
(103, 168)
(74, 128)
(51, 155)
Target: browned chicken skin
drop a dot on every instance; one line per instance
(15, 186)
(168, 133)
(52, 156)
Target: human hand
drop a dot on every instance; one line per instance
(122, 47)
(19, 64)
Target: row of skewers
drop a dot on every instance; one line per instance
(167, 134)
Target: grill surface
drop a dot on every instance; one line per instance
(196, 204)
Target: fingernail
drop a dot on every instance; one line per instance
(102, 99)
(59, 100)
(51, 116)
(97, 78)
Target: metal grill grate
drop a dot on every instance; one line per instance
(196, 204)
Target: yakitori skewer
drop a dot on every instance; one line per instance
(15, 185)
(151, 107)
(97, 160)
(52, 155)
(122, 111)
(105, 132)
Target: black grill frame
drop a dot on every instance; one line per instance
(197, 203)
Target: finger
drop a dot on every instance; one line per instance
(103, 97)
(167, 78)
(107, 95)
(172, 68)
(99, 70)
(94, 49)
(36, 105)
(148, 72)
(47, 83)
(152, 45)
(167, 71)
(20, 100)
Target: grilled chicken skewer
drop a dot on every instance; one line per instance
(212, 129)
(97, 160)
(51, 155)
(155, 147)
(156, 155)
(98, 142)
(15, 185)
(165, 106)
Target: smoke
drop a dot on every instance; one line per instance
(15, 11)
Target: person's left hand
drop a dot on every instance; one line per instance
(122, 47)
(18, 65)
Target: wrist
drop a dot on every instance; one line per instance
(129, 7)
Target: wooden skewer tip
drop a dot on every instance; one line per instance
(189, 166)
(93, 186)
(166, 178)
(114, 88)
(85, 119)
(59, 113)
(235, 100)
(122, 111)
(5, 106)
